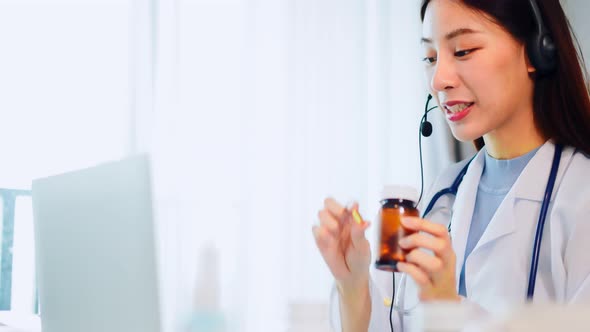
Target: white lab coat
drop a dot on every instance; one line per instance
(497, 270)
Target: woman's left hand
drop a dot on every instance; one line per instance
(434, 274)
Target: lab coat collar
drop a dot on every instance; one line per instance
(529, 185)
(533, 180)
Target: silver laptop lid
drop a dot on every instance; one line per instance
(95, 252)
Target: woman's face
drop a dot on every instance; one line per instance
(477, 71)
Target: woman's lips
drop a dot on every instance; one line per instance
(458, 115)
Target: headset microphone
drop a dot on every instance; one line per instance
(425, 125)
(425, 130)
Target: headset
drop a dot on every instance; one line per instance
(541, 50)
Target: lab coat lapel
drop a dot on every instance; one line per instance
(502, 223)
(532, 183)
(529, 185)
(463, 209)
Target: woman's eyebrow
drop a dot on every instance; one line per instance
(453, 34)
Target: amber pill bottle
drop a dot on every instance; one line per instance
(396, 202)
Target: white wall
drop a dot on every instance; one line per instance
(578, 12)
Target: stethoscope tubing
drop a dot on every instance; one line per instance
(541, 223)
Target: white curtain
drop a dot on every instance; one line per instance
(64, 105)
(263, 109)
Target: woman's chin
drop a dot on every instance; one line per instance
(465, 135)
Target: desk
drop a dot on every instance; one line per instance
(19, 322)
(11, 329)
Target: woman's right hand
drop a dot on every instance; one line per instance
(343, 245)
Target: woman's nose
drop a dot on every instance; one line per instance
(444, 76)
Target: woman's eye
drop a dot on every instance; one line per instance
(463, 53)
(429, 60)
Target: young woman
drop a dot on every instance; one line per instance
(525, 104)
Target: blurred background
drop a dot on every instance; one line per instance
(253, 111)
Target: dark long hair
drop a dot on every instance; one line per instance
(561, 107)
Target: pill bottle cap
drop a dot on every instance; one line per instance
(399, 192)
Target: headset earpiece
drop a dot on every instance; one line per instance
(540, 47)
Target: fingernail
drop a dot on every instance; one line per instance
(407, 221)
(357, 217)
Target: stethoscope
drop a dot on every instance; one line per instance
(454, 188)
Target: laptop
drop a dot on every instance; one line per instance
(95, 251)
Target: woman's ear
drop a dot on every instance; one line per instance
(529, 66)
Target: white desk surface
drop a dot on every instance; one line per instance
(17, 322)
